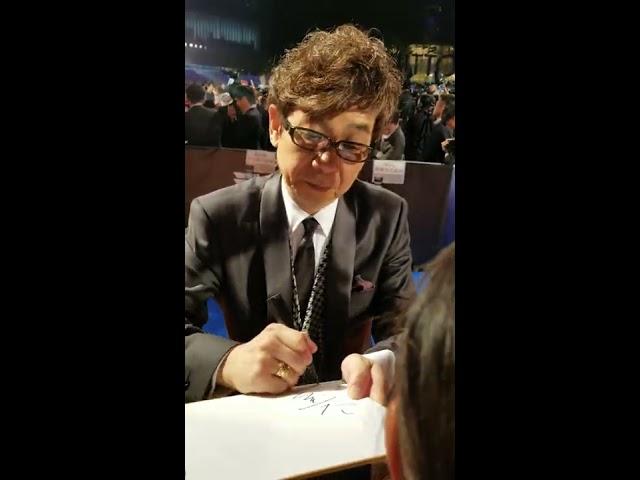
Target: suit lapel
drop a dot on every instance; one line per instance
(339, 275)
(274, 230)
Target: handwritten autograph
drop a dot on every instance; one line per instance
(312, 399)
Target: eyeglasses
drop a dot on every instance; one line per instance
(313, 141)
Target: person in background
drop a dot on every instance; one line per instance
(262, 106)
(202, 125)
(448, 145)
(228, 119)
(442, 130)
(443, 101)
(209, 95)
(419, 127)
(391, 145)
(406, 105)
(249, 133)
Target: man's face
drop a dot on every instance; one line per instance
(316, 179)
(438, 109)
(451, 123)
(243, 104)
(389, 128)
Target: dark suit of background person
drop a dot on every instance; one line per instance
(202, 126)
(228, 128)
(265, 144)
(249, 132)
(237, 251)
(440, 131)
(432, 151)
(407, 106)
(248, 129)
(392, 148)
(419, 127)
(228, 125)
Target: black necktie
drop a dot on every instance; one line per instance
(304, 264)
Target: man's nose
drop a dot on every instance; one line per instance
(327, 161)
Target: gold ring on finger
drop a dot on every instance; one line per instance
(283, 370)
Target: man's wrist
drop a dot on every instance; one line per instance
(223, 373)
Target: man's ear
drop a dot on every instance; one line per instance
(391, 440)
(275, 125)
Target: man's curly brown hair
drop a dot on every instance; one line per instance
(330, 72)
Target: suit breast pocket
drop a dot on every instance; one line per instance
(360, 301)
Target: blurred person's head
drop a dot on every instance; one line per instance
(392, 124)
(443, 101)
(420, 414)
(426, 101)
(339, 86)
(195, 94)
(449, 116)
(244, 97)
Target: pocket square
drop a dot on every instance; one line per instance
(361, 285)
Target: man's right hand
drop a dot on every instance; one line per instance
(251, 367)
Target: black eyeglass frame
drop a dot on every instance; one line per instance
(291, 130)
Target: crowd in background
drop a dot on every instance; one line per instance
(236, 116)
(233, 117)
(428, 122)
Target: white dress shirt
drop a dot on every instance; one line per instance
(295, 216)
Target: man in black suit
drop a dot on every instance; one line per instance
(202, 125)
(406, 105)
(249, 126)
(228, 120)
(443, 130)
(419, 127)
(391, 145)
(443, 100)
(309, 263)
(265, 144)
(449, 145)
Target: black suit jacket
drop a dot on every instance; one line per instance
(393, 147)
(264, 118)
(202, 126)
(433, 144)
(237, 251)
(418, 129)
(248, 130)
